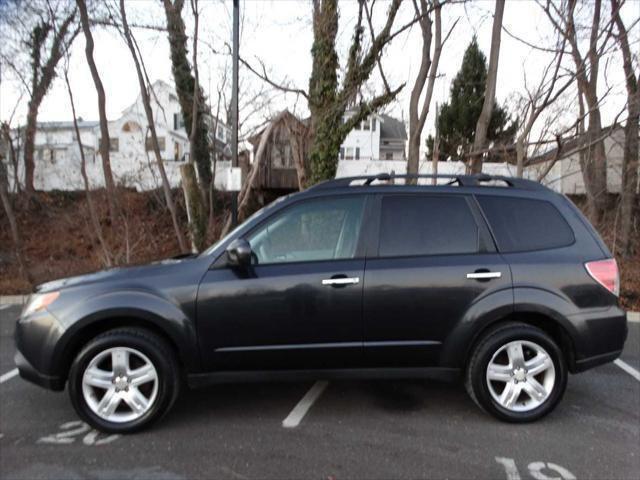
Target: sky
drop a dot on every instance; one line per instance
(280, 34)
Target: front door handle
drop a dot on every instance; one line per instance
(341, 281)
(484, 275)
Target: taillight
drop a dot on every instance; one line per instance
(605, 272)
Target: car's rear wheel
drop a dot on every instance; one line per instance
(123, 380)
(517, 373)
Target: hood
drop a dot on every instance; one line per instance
(115, 274)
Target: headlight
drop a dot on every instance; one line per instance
(39, 301)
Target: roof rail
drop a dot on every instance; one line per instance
(461, 180)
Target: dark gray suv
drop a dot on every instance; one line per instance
(496, 281)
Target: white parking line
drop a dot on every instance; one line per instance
(9, 375)
(628, 368)
(303, 406)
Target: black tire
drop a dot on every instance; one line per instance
(488, 345)
(155, 349)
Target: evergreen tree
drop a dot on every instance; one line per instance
(457, 118)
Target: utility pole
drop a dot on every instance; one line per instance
(234, 104)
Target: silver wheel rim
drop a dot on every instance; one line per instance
(120, 384)
(521, 376)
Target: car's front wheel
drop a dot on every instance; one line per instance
(517, 373)
(123, 380)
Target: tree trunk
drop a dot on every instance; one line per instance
(428, 70)
(93, 217)
(628, 192)
(197, 215)
(520, 153)
(29, 146)
(482, 126)
(104, 124)
(146, 101)
(13, 155)
(13, 225)
(187, 87)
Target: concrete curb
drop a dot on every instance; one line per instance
(13, 299)
(633, 317)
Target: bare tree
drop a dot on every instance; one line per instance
(628, 195)
(146, 101)
(482, 126)
(93, 216)
(594, 161)
(34, 30)
(426, 75)
(538, 100)
(104, 145)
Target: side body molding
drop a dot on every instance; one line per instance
(140, 305)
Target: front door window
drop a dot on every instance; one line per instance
(310, 231)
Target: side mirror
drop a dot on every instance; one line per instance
(239, 253)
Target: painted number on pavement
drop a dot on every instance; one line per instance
(538, 470)
(70, 431)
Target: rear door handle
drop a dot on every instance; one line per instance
(484, 275)
(341, 281)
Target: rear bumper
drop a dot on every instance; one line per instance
(28, 372)
(600, 337)
(587, 363)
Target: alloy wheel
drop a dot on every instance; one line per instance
(521, 376)
(120, 384)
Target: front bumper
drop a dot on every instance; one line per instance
(28, 372)
(37, 341)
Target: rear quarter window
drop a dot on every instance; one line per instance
(523, 224)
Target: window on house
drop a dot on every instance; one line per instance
(220, 133)
(178, 121)
(388, 156)
(365, 124)
(149, 144)
(348, 153)
(373, 124)
(130, 127)
(341, 153)
(357, 153)
(114, 144)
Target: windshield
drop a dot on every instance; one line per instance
(233, 232)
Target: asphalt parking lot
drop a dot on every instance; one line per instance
(368, 429)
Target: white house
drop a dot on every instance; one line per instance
(378, 137)
(57, 154)
(565, 176)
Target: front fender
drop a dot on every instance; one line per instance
(143, 306)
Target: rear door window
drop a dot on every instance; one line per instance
(523, 224)
(413, 225)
